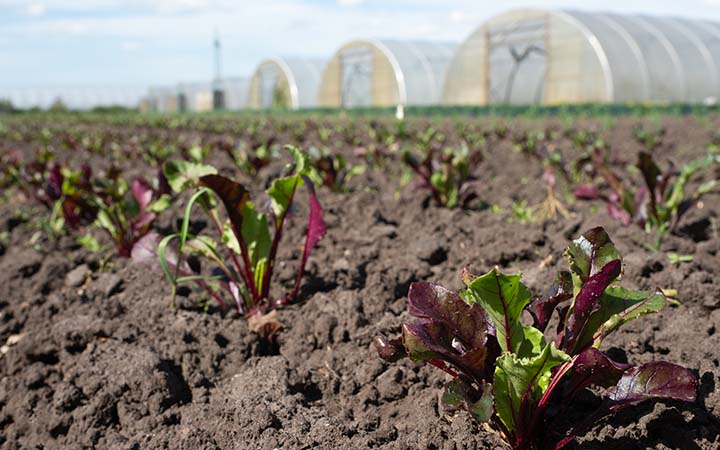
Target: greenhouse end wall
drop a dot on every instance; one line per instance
(375, 73)
(553, 57)
(285, 84)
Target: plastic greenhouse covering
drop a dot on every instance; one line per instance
(235, 92)
(385, 73)
(163, 99)
(550, 57)
(74, 97)
(195, 97)
(285, 83)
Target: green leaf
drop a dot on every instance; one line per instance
(184, 174)
(197, 153)
(515, 377)
(504, 297)
(354, 171)
(677, 193)
(483, 409)
(160, 204)
(675, 258)
(89, 243)
(229, 238)
(302, 160)
(458, 395)
(104, 221)
(281, 194)
(619, 306)
(532, 343)
(416, 348)
(452, 199)
(706, 187)
(438, 181)
(203, 245)
(256, 235)
(455, 394)
(589, 253)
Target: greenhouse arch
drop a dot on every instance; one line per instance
(364, 73)
(563, 56)
(285, 83)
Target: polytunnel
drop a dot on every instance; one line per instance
(234, 92)
(385, 73)
(554, 56)
(285, 83)
(163, 99)
(195, 97)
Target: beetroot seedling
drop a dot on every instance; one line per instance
(244, 259)
(658, 201)
(509, 373)
(447, 174)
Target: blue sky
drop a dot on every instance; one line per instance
(143, 42)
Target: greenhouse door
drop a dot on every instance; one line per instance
(268, 86)
(517, 63)
(356, 70)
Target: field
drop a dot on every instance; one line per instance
(96, 356)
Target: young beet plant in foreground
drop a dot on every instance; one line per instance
(447, 174)
(242, 267)
(510, 374)
(658, 202)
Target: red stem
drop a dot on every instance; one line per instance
(539, 412)
(442, 366)
(215, 295)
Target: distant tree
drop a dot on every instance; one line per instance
(6, 106)
(58, 106)
(112, 109)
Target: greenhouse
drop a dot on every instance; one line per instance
(162, 99)
(74, 97)
(234, 93)
(285, 84)
(385, 73)
(550, 57)
(195, 97)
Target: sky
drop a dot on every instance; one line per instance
(137, 43)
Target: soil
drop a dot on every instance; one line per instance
(94, 356)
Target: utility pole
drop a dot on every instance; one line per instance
(217, 85)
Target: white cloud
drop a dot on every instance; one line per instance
(350, 2)
(36, 9)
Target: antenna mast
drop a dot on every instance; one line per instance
(218, 57)
(218, 93)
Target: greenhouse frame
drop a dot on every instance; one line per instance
(553, 56)
(285, 83)
(364, 73)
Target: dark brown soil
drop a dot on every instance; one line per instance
(96, 358)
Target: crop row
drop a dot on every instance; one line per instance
(503, 371)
